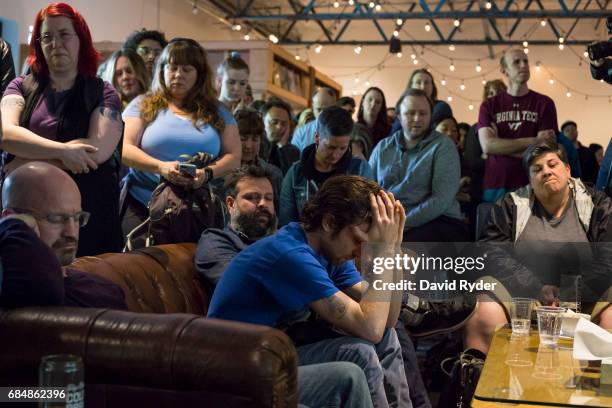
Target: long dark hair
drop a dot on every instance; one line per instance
(381, 126)
(434, 89)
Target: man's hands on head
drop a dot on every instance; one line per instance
(388, 219)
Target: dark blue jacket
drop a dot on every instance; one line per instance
(298, 184)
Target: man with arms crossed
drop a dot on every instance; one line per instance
(508, 123)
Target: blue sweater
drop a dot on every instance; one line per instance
(425, 178)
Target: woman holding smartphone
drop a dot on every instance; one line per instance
(179, 116)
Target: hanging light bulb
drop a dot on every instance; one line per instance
(413, 56)
(538, 68)
(336, 4)
(195, 8)
(462, 86)
(358, 49)
(471, 107)
(586, 54)
(478, 67)
(561, 40)
(543, 23)
(356, 80)
(488, 5)
(367, 83)
(399, 55)
(399, 22)
(354, 92)
(415, 61)
(297, 58)
(451, 47)
(525, 44)
(484, 81)
(247, 37)
(451, 66)
(443, 82)
(351, 2)
(526, 50)
(551, 81)
(561, 47)
(427, 27)
(568, 94)
(318, 48)
(372, 4)
(378, 7)
(395, 33)
(456, 23)
(449, 98)
(273, 38)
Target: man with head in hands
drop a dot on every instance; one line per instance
(309, 266)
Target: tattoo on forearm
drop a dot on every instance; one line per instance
(336, 306)
(12, 103)
(109, 113)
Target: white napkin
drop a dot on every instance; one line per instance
(591, 342)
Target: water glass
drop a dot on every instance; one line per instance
(549, 324)
(66, 371)
(520, 315)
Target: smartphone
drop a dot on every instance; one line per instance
(187, 169)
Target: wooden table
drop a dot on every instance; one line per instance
(519, 371)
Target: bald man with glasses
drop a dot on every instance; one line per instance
(39, 238)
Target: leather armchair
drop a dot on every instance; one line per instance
(162, 353)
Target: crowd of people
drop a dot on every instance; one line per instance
(85, 144)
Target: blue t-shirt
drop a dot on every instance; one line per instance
(277, 277)
(168, 137)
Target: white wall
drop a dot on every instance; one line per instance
(113, 20)
(593, 115)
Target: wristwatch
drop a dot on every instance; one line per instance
(209, 174)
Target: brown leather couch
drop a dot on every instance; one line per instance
(162, 353)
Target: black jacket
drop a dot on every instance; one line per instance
(7, 68)
(508, 219)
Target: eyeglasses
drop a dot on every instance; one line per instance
(149, 51)
(63, 37)
(81, 217)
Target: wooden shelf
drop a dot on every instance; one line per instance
(293, 99)
(267, 60)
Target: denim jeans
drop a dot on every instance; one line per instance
(382, 364)
(333, 385)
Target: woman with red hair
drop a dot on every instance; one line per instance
(62, 114)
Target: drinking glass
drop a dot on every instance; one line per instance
(66, 371)
(520, 315)
(549, 324)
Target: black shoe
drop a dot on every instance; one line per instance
(424, 318)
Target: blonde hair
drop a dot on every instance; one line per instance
(137, 64)
(201, 101)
